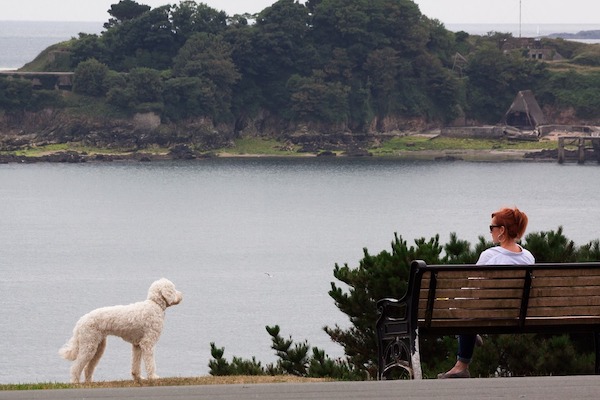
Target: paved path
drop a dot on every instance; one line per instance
(542, 388)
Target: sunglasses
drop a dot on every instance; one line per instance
(494, 226)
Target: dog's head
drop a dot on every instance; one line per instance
(163, 293)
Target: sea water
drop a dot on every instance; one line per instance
(22, 41)
(250, 242)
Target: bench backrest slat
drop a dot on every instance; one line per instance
(554, 271)
(566, 281)
(565, 293)
(511, 293)
(557, 312)
(459, 295)
(574, 301)
(474, 304)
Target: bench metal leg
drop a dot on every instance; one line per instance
(415, 357)
(597, 348)
(399, 351)
(395, 354)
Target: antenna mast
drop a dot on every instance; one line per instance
(519, 18)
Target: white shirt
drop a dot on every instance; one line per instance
(500, 256)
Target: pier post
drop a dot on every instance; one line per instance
(561, 150)
(596, 146)
(581, 152)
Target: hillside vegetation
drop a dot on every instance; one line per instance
(324, 67)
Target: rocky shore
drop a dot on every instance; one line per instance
(30, 137)
(183, 152)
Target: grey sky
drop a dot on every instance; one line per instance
(447, 11)
(507, 11)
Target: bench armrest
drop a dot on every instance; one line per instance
(391, 309)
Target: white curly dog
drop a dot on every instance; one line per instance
(139, 323)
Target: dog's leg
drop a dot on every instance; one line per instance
(148, 356)
(136, 362)
(89, 368)
(86, 353)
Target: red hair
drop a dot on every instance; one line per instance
(514, 220)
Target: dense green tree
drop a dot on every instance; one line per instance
(572, 90)
(388, 48)
(186, 97)
(89, 78)
(494, 78)
(361, 26)
(208, 57)
(145, 41)
(551, 246)
(189, 17)
(147, 85)
(590, 251)
(317, 99)
(248, 96)
(139, 90)
(444, 99)
(382, 69)
(15, 94)
(89, 46)
(442, 43)
(125, 10)
(280, 49)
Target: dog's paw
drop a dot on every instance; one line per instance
(153, 376)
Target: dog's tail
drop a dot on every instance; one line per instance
(70, 350)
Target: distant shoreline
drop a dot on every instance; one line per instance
(72, 157)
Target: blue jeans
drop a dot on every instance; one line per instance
(466, 346)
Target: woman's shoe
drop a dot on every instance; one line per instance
(478, 341)
(462, 374)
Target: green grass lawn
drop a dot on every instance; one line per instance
(438, 143)
(260, 146)
(200, 380)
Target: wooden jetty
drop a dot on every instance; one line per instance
(586, 146)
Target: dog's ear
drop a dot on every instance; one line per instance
(170, 295)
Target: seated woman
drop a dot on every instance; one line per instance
(507, 227)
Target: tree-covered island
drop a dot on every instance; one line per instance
(318, 77)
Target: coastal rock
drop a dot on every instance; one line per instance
(182, 152)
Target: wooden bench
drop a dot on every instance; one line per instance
(466, 299)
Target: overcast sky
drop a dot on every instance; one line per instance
(447, 11)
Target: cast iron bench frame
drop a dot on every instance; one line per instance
(467, 299)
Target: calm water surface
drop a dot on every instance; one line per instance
(250, 243)
(22, 41)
